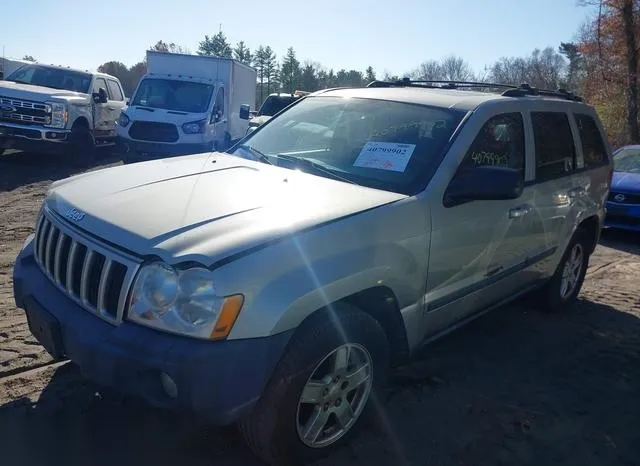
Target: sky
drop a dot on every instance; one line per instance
(393, 36)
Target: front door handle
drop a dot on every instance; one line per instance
(520, 211)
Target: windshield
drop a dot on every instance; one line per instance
(627, 160)
(56, 78)
(273, 104)
(380, 144)
(179, 96)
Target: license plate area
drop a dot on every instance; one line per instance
(45, 328)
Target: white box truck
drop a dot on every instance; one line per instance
(186, 104)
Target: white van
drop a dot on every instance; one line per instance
(186, 104)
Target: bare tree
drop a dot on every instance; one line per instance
(456, 69)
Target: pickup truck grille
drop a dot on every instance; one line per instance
(94, 276)
(23, 111)
(628, 198)
(153, 131)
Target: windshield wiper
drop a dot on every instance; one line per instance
(314, 166)
(256, 153)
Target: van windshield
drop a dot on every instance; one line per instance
(56, 78)
(179, 96)
(386, 145)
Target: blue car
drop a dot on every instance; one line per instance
(623, 204)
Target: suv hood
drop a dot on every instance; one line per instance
(626, 182)
(35, 93)
(204, 207)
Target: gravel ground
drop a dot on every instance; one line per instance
(515, 387)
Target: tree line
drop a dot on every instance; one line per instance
(601, 64)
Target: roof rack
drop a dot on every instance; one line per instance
(523, 90)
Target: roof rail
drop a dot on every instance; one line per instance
(522, 90)
(526, 90)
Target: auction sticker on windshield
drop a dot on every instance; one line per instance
(385, 156)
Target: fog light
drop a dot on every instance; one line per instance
(169, 386)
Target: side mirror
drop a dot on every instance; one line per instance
(245, 111)
(484, 184)
(101, 96)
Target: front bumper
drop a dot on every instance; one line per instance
(32, 138)
(139, 151)
(622, 216)
(220, 381)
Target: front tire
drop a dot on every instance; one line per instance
(330, 375)
(82, 147)
(561, 292)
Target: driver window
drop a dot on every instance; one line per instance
(218, 107)
(500, 143)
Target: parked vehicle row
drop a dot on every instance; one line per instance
(623, 204)
(275, 285)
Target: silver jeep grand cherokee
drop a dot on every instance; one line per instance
(275, 285)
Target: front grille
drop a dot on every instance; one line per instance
(24, 111)
(153, 131)
(628, 198)
(94, 276)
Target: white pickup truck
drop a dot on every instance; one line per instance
(51, 109)
(186, 104)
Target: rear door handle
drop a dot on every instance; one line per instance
(520, 211)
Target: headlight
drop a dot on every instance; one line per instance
(123, 120)
(57, 114)
(183, 302)
(194, 127)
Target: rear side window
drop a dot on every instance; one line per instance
(593, 147)
(114, 90)
(500, 143)
(555, 151)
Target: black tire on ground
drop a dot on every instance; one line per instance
(82, 150)
(272, 428)
(551, 297)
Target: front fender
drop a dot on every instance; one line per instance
(286, 282)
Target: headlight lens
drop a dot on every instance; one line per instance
(183, 302)
(123, 120)
(194, 127)
(57, 114)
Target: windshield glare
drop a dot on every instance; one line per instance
(627, 160)
(180, 96)
(56, 78)
(380, 144)
(273, 104)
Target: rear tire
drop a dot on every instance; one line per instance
(559, 294)
(330, 376)
(82, 147)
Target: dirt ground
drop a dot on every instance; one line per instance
(516, 387)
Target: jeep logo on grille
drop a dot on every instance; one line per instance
(7, 108)
(619, 197)
(74, 214)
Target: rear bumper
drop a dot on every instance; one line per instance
(139, 151)
(32, 138)
(220, 381)
(622, 216)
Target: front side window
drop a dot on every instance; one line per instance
(380, 144)
(99, 83)
(593, 148)
(56, 78)
(179, 96)
(500, 143)
(555, 151)
(114, 90)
